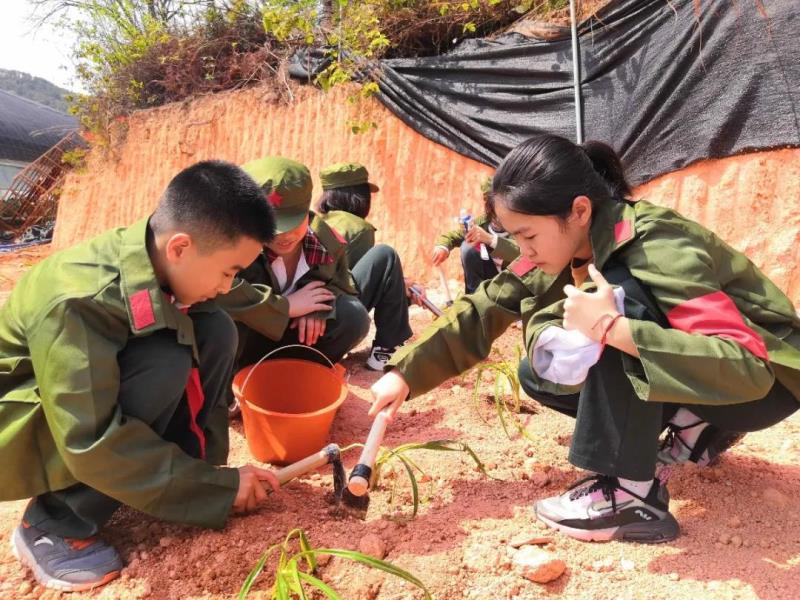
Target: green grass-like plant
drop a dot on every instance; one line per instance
(400, 454)
(505, 394)
(297, 564)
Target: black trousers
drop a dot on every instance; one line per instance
(153, 375)
(475, 268)
(616, 433)
(379, 278)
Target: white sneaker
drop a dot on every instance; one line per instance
(379, 357)
(598, 508)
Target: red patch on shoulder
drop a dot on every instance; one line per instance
(142, 309)
(338, 236)
(715, 314)
(623, 231)
(275, 199)
(521, 266)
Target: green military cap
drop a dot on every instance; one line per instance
(287, 186)
(345, 174)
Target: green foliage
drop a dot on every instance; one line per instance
(134, 54)
(353, 33)
(400, 454)
(297, 563)
(75, 158)
(505, 393)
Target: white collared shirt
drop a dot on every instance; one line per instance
(279, 269)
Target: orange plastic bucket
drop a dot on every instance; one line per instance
(288, 405)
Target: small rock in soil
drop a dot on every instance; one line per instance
(372, 545)
(528, 539)
(537, 565)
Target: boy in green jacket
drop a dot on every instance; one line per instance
(300, 289)
(115, 372)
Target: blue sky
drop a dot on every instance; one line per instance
(43, 52)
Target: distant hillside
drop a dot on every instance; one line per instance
(34, 88)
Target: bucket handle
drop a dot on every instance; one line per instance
(271, 352)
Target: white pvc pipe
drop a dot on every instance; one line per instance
(576, 73)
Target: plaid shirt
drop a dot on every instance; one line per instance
(314, 251)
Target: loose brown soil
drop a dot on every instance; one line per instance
(740, 521)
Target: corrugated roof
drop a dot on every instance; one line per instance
(28, 129)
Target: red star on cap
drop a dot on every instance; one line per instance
(275, 199)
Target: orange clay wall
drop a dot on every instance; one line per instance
(751, 201)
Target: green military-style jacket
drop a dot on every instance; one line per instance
(506, 250)
(463, 336)
(359, 233)
(254, 301)
(60, 423)
(731, 331)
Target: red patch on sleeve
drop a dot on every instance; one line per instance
(521, 266)
(623, 231)
(142, 309)
(716, 314)
(338, 236)
(196, 398)
(275, 199)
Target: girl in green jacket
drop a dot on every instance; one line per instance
(662, 326)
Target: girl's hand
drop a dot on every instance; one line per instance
(390, 390)
(477, 235)
(590, 313)
(440, 254)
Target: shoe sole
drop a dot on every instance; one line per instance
(24, 556)
(664, 530)
(374, 366)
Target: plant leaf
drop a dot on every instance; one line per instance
(320, 585)
(253, 575)
(376, 563)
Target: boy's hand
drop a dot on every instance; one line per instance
(415, 299)
(312, 297)
(477, 235)
(251, 491)
(390, 390)
(440, 254)
(309, 329)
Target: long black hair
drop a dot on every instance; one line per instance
(355, 199)
(545, 173)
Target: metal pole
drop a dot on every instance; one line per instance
(576, 73)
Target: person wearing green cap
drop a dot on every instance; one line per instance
(300, 288)
(478, 264)
(345, 203)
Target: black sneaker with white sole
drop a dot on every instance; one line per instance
(598, 509)
(65, 564)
